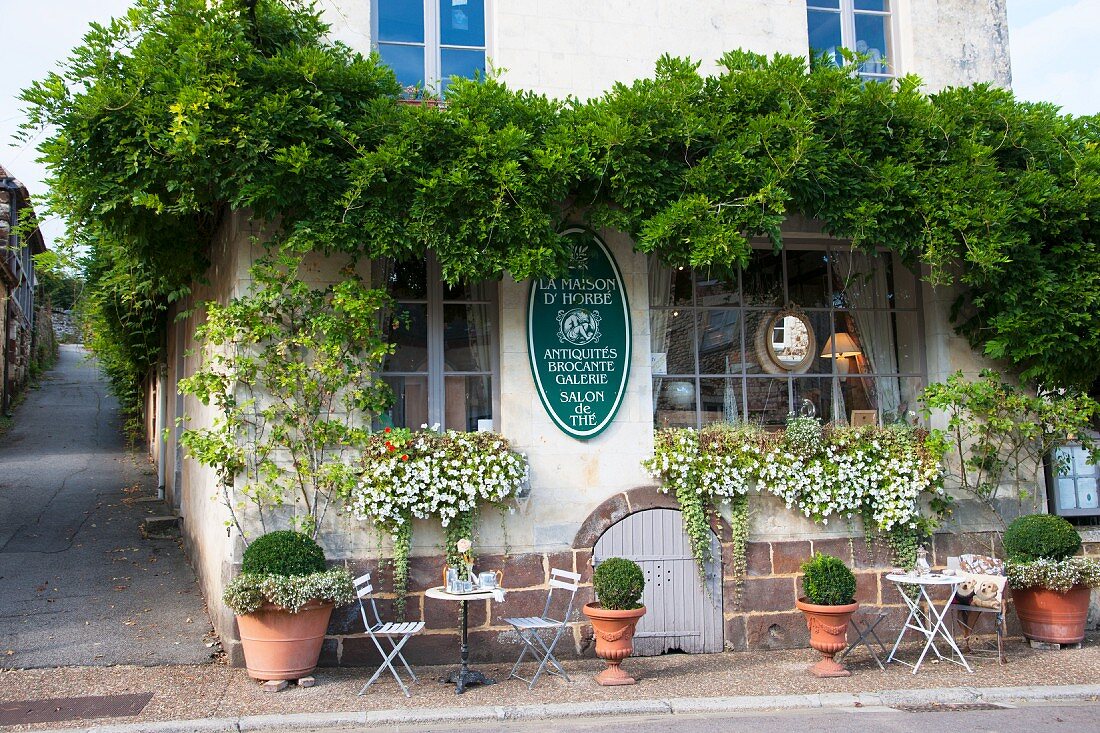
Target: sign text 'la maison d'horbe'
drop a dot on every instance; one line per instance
(578, 339)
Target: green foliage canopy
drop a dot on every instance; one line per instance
(183, 110)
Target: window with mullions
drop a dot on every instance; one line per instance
(862, 26)
(838, 328)
(426, 42)
(443, 367)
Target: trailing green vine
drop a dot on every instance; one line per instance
(884, 475)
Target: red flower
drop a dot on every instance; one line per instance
(389, 445)
(388, 430)
(404, 458)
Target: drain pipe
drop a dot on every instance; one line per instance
(159, 426)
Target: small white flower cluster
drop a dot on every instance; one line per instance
(880, 473)
(427, 474)
(1056, 575)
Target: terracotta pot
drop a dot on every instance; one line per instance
(279, 645)
(614, 632)
(1047, 615)
(828, 634)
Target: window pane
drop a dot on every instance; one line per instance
(674, 403)
(903, 285)
(668, 285)
(720, 341)
(469, 291)
(908, 342)
(460, 63)
(410, 404)
(716, 288)
(824, 30)
(407, 63)
(462, 22)
(401, 20)
(1087, 494)
(859, 279)
(872, 32)
(807, 279)
(720, 400)
(402, 280)
(880, 5)
(763, 279)
(818, 391)
(468, 399)
(408, 332)
(466, 342)
(834, 4)
(768, 401)
(672, 339)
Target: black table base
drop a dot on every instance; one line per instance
(464, 676)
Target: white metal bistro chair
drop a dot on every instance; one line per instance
(529, 629)
(396, 633)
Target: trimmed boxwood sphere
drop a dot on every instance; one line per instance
(618, 584)
(827, 581)
(283, 553)
(1041, 536)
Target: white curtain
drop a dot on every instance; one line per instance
(863, 279)
(660, 294)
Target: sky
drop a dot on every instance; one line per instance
(40, 34)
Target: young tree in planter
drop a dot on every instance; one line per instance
(618, 584)
(290, 370)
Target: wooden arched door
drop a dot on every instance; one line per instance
(684, 613)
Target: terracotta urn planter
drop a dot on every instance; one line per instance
(828, 634)
(614, 632)
(1051, 616)
(279, 645)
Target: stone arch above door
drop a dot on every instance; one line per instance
(617, 507)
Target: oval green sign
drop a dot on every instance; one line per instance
(578, 339)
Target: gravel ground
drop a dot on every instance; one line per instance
(210, 691)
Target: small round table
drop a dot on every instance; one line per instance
(464, 676)
(931, 623)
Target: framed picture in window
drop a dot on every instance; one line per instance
(864, 417)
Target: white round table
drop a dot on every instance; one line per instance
(464, 676)
(931, 623)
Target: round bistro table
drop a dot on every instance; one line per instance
(928, 623)
(464, 676)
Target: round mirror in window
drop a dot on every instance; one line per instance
(785, 342)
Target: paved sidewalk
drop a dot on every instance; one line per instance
(221, 698)
(80, 585)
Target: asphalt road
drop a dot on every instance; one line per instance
(78, 584)
(1065, 718)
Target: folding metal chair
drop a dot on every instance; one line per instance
(865, 627)
(529, 627)
(391, 631)
(968, 616)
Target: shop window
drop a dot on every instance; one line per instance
(862, 26)
(426, 42)
(838, 329)
(443, 369)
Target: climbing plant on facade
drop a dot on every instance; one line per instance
(167, 119)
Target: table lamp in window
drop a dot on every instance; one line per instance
(843, 347)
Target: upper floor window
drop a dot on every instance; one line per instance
(444, 363)
(862, 26)
(426, 42)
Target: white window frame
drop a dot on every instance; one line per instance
(436, 372)
(848, 38)
(433, 49)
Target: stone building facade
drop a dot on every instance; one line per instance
(581, 489)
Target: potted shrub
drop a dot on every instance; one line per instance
(828, 602)
(618, 584)
(283, 599)
(1050, 587)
